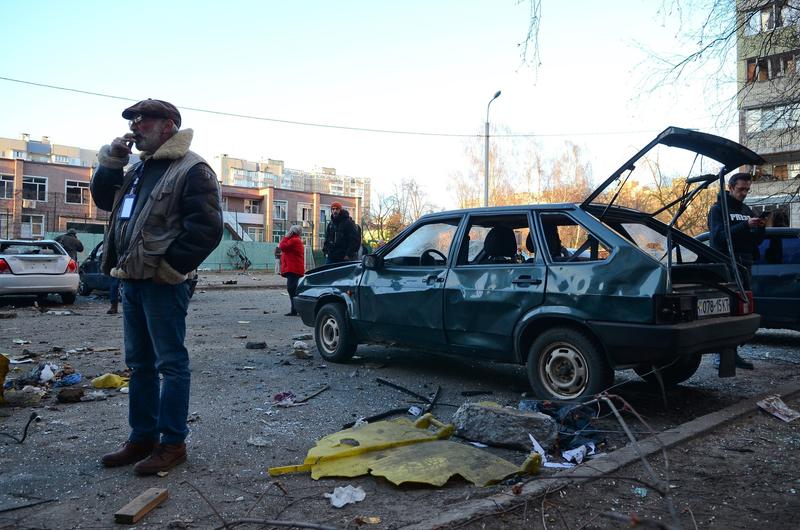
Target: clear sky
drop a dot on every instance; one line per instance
(427, 66)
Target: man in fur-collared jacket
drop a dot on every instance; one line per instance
(165, 220)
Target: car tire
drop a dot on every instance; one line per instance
(565, 364)
(673, 372)
(67, 298)
(83, 289)
(333, 335)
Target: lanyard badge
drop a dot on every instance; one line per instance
(129, 199)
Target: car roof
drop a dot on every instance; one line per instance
(501, 209)
(28, 241)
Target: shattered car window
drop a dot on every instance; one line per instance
(20, 249)
(427, 245)
(654, 244)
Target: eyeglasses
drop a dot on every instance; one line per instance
(135, 121)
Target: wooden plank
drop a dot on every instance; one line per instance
(141, 505)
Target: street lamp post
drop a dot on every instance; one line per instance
(486, 154)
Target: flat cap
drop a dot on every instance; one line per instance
(153, 108)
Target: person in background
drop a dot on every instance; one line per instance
(746, 231)
(292, 263)
(71, 243)
(341, 236)
(165, 220)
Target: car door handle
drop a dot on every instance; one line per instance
(434, 278)
(525, 280)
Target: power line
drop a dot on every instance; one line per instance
(341, 127)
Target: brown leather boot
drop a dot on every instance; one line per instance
(129, 453)
(163, 458)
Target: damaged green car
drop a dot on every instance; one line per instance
(571, 291)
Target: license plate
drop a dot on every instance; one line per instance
(713, 306)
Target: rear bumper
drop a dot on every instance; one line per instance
(636, 343)
(25, 284)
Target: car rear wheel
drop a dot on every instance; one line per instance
(333, 335)
(68, 298)
(83, 289)
(673, 372)
(565, 364)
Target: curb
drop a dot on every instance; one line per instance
(602, 466)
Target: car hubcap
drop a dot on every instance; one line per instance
(563, 370)
(329, 334)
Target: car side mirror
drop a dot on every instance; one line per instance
(372, 261)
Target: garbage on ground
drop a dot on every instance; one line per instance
(492, 424)
(59, 312)
(229, 282)
(363, 519)
(96, 395)
(415, 410)
(538, 449)
(402, 451)
(775, 406)
(574, 422)
(7, 315)
(255, 345)
(639, 491)
(68, 380)
(346, 495)
(20, 342)
(110, 381)
(300, 350)
(70, 395)
(303, 336)
(258, 441)
(579, 454)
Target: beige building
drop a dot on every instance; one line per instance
(273, 173)
(768, 79)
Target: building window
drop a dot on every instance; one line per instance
(773, 67)
(280, 209)
(278, 231)
(77, 192)
(34, 188)
(775, 14)
(6, 186)
(20, 154)
(61, 159)
(305, 212)
(256, 233)
(252, 206)
(32, 226)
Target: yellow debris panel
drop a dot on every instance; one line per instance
(402, 452)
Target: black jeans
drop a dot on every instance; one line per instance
(291, 286)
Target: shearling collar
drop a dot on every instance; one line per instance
(176, 147)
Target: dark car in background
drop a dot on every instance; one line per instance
(776, 278)
(93, 279)
(571, 291)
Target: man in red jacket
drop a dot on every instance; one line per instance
(292, 266)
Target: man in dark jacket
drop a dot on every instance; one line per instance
(165, 220)
(341, 236)
(71, 243)
(746, 231)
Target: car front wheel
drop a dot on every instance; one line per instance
(83, 289)
(565, 364)
(332, 333)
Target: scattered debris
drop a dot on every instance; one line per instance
(503, 426)
(312, 395)
(70, 395)
(363, 519)
(255, 345)
(239, 336)
(21, 341)
(230, 282)
(346, 495)
(60, 312)
(300, 350)
(775, 406)
(258, 441)
(244, 321)
(96, 395)
(402, 452)
(110, 381)
(303, 336)
(141, 506)
(639, 491)
(470, 393)
(7, 315)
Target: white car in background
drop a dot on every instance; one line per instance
(37, 268)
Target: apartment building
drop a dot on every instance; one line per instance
(768, 79)
(272, 173)
(44, 187)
